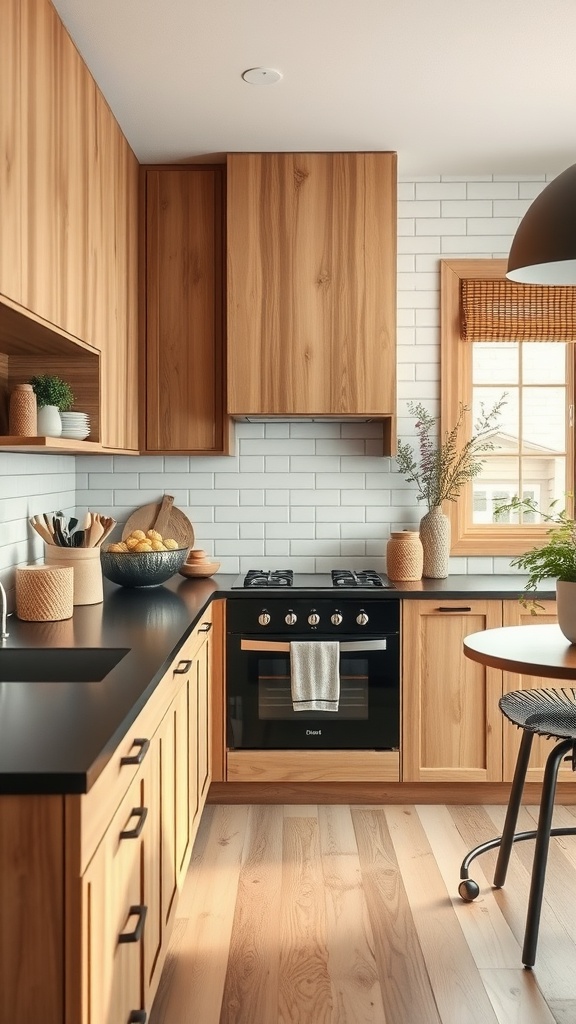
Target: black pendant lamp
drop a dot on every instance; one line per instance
(544, 247)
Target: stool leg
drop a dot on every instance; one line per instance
(513, 808)
(553, 763)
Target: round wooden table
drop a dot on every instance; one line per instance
(539, 650)
(533, 650)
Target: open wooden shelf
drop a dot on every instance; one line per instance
(57, 446)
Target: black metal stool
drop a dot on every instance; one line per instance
(550, 713)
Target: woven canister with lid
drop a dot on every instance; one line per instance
(404, 556)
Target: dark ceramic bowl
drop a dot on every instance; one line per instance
(141, 568)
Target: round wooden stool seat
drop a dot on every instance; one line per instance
(545, 712)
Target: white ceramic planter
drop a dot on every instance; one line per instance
(49, 422)
(566, 609)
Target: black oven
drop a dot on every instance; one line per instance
(260, 712)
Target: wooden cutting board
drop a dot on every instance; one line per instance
(165, 517)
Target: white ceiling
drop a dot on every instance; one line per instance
(455, 86)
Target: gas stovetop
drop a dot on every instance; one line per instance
(336, 579)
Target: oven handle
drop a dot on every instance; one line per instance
(283, 645)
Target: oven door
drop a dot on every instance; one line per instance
(260, 710)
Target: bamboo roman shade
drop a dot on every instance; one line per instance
(499, 310)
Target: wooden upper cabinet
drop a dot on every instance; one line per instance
(311, 283)
(184, 296)
(69, 215)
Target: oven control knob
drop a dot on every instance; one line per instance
(336, 618)
(313, 618)
(264, 617)
(362, 618)
(291, 618)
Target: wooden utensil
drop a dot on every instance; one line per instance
(179, 526)
(41, 530)
(163, 518)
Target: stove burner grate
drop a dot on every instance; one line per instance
(362, 578)
(269, 578)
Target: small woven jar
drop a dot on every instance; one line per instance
(44, 593)
(23, 412)
(404, 556)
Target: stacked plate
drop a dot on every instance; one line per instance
(75, 425)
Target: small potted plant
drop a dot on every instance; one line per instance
(53, 396)
(441, 471)
(554, 560)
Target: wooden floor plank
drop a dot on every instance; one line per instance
(404, 981)
(194, 991)
(458, 989)
(354, 978)
(490, 939)
(251, 988)
(304, 989)
(515, 996)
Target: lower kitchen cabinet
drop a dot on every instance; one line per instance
(452, 728)
(87, 914)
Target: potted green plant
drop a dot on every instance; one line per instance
(553, 560)
(440, 471)
(53, 396)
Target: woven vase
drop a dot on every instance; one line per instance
(435, 537)
(23, 414)
(404, 556)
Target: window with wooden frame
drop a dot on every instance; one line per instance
(499, 337)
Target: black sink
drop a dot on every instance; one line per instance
(58, 665)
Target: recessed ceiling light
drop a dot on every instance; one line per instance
(261, 76)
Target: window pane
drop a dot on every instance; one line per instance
(543, 363)
(506, 432)
(544, 480)
(495, 361)
(544, 419)
(497, 483)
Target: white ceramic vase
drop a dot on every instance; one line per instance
(566, 608)
(49, 421)
(435, 537)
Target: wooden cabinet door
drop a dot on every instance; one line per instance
(516, 615)
(452, 725)
(311, 283)
(113, 913)
(184, 310)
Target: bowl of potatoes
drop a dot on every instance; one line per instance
(142, 559)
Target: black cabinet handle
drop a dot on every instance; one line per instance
(140, 910)
(205, 627)
(139, 757)
(133, 833)
(138, 1017)
(465, 609)
(183, 667)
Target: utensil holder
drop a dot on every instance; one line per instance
(44, 593)
(87, 571)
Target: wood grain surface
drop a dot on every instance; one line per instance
(317, 914)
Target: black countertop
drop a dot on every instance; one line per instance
(57, 737)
